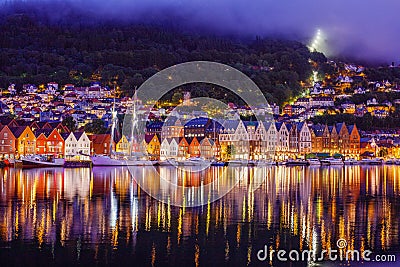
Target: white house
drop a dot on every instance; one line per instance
(268, 140)
(164, 149)
(235, 134)
(282, 139)
(173, 148)
(77, 146)
(304, 138)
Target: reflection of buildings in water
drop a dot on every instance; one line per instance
(310, 206)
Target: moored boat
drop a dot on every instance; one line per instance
(332, 161)
(99, 160)
(350, 162)
(390, 161)
(314, 162)
(237, 162)
(218, 163)
(41, 161)
(296, 162)
(373, 161)
(168, 162)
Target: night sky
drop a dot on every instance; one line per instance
(366, 30)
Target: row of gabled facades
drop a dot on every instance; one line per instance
(21, 139)
(200, 137)
(253, 140)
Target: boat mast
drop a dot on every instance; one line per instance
(133, 122)
(114, 118)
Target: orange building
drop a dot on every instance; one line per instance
(183, 146)
(317, 138)
(25, 140)
(354, 142)
(343, 138)
(194, 148)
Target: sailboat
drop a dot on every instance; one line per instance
(114, 159)
(136, 156)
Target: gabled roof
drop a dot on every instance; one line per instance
(250, 124)
(5, 120)
(149, 137)
(210, 141)
(45, 132)
(213, 124)
(350, 128)
(65, 135)
(231, 124)
(99, 138)
(267, 124)
(365, 140)
(278, 125)
(339, 126)
(17, 131)
(299, 126)
(78, 135)
(318, 130)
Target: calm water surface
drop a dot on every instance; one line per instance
(102, 217)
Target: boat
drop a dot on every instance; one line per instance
(374, 161)
(38, 161)
(218, 163)
(390, 161)
(264, 162)
(350, 162)
(168, 162)
(332, 161)
(196, 161)
(115, 159)
(13, 163)
(103, 160)
(252, 163)
(237, 162)
(314, 162)
(296, 162)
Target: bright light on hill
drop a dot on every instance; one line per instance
(318, 42)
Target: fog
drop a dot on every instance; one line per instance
(365, 30)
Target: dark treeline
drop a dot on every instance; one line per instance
(36, 51)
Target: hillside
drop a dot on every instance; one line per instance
(35, 51)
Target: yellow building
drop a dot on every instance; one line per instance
(122, 145)
(153, 146)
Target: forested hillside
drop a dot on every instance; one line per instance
(35, 51)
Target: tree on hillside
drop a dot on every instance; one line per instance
(95, 127)
(70, 123)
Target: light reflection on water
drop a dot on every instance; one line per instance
(76, 216)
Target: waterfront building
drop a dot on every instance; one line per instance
(7, 143)
(100, 144)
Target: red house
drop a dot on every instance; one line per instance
(100, 144)
(49, 142)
